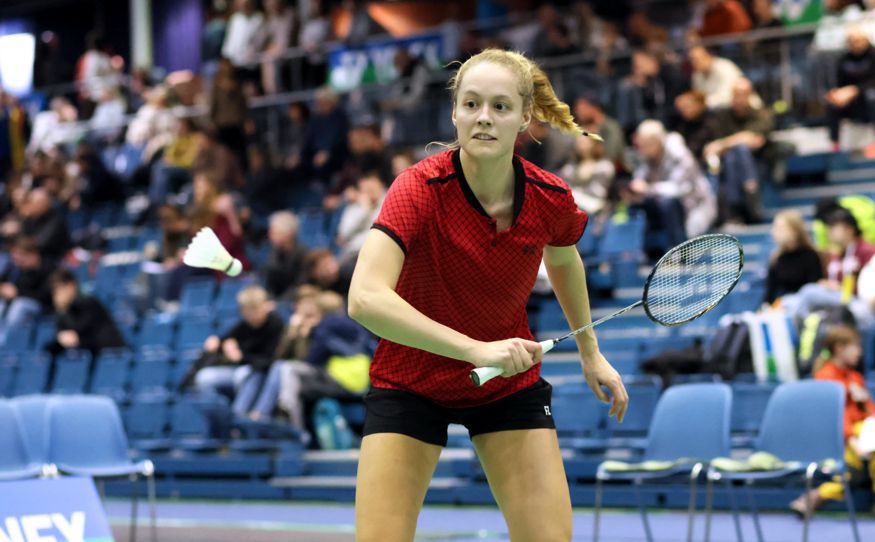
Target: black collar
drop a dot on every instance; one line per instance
(519, 187)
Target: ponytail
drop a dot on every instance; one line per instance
(547, 107)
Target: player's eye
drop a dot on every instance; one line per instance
(470, 104)
(501, 106)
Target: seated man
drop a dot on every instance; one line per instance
(742, 132)
(669, 185)
(24, 287)
(649, 91)
(713, 76)
(854, 98)
(235, 363)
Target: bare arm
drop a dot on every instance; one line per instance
(374, 303)
(565, 269)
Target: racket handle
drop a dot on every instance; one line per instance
(482, 375)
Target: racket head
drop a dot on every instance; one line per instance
(692, 278)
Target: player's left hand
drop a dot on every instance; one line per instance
(598, 372)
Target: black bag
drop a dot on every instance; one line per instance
(728, 352)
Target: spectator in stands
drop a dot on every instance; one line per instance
(326, 272)
(229, 111)
(361, 24)
(694, 121)
(52, 127)
(742, 133)
(316, 30)
(547, 148)
(95, 184)
(367, 152)
(280, 25)
(82, 321)
(235, 363)
(214, 206)
(265, 189)
(219, 162)
(325, 145)
(213, 38)
(293, 132)
(590, 116)
(669, 185)
(713, 76)
(152, 126)
(723, 17)
(840, 363)
(286, 265)
(24, 287)
(173, 170)
(401, 160)
(108, 120)
(854, 98)
(323, 353)
(850, 275)
(794, 262)
(43, 222)
(589, 175)
(358, 216)
(650, 90)
(242, 37)
(764, 15)
(402, 105)
(14, 126)
(94, 73)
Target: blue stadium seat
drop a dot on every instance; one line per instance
(111, 371)
(8, 366)
(15, 461)
(150, 375)
(189, 425)
(644, 392)
(146, 423)
(31, 411)
(156, 331)
(104, 454)
(19, 338)
(193, 331)
(32, 374)
(72, 370)
(690, 427)
(197, 298)
(46, 330)
(749, 400)
(580, 418)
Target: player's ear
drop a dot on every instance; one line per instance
(453, 116)
(527, 119)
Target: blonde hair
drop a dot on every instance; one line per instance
(839, 335)
(252, 296)
(794, 221)
(537, 93)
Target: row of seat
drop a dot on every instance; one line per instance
(76, 435)
(690, 429)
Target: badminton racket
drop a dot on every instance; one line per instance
(688, 281)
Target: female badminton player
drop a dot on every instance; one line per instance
(443, 278)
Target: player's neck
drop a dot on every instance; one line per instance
(490, 180)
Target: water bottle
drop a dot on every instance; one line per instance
(332, 430)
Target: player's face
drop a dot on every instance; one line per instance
(488, 112)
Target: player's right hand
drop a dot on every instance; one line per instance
(513, 356)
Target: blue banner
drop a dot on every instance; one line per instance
(374, 62)
(52, 510)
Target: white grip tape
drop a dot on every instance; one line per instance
(483, 375)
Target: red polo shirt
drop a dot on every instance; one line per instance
(460, 271)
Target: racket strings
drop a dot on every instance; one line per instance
(692, 278)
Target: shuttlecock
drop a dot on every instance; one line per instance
(205, 250)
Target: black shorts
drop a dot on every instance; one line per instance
(397, 411)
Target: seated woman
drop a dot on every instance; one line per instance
(794, 262)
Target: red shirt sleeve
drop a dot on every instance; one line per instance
(568, 222)
(404, 210)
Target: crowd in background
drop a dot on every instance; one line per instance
(686, 142)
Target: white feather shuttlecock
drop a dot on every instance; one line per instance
(205, 250)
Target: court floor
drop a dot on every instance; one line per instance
(203, 521)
